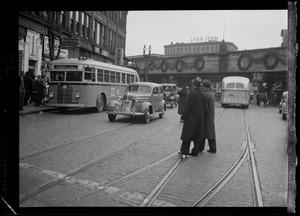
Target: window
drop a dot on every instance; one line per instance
(98, 33)
(112, 76)
(106, 76)
(230, 85)
(155, 90)
(128, 78)
(100, 75)
(89, 74)
(240, 86)
(117, 77)
(57, 76)
(77, 22)
(123, 78)
(73, 76)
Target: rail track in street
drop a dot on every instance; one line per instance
(91, 164)
(166, 168)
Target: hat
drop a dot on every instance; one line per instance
(206, 83)
(197, 81)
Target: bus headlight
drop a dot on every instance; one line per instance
(51, 94)
(77, 95)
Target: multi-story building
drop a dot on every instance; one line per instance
(90, 34)
(197, 48)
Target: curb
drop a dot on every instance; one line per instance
(37, 111)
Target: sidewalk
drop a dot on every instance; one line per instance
(31, 109)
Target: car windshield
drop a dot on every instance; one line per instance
(167, 88)
(139, 89)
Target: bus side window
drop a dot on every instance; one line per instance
(128, 78)
(113, 76)
(106, 76)
(131, 78)
(117, 77)
(123, 78)
(100, 75)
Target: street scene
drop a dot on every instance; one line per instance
(156, 109)
(85, 160)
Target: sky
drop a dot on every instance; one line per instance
(247, 29)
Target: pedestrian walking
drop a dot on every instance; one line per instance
(22, 90)
(183, 95)
(192, 118)
(209, 132)
(28, 82)
(37, 90)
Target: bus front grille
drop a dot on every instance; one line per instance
(64, 94)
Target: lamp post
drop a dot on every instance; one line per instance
(146, 57)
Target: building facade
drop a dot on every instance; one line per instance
(196, 48)
(100, 35)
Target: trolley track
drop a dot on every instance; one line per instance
(72, 143)
(93, 163)
(247, 152)
(157, 189)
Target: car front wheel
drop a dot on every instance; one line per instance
(147, 117)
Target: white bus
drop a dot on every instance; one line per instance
(235, 91)
(78, 82)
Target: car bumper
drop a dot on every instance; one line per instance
(126, 113)
(64, 105)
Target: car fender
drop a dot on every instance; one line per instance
(113, 104)
(145, 106)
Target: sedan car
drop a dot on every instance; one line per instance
(171, 96)
(141, 99)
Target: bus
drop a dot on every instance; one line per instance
(235, 91)
(80, 82)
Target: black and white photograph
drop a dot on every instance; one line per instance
(155, 108)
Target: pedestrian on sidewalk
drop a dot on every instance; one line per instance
(192, 118)
(22, 90)
(183, 95)
(37, 90)
(28, 82)
(209, 132)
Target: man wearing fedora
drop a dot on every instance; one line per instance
(209, 119)
(193, 118)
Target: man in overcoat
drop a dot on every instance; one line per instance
(192, 117)
(209, 119)
(28, 82)
(183, 93)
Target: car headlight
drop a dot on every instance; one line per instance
(77, 95)
(51, 94)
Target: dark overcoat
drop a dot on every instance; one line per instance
(193, 116)
(209, 115)
(183, 93)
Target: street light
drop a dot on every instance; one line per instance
(146, 56)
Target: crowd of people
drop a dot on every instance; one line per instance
(197, 112)
(32, 89)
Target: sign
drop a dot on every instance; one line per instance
(119, 56)
(204, 39)
(69, 43)
(63, 52)
(104, 53)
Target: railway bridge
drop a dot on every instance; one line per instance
(268, 65)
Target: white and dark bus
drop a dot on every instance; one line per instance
(235, 91)
(78, 82)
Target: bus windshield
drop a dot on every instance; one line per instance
(70, 76)
(57, 76)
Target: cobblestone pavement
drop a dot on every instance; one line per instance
(194, 178)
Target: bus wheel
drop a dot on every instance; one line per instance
(100, 103)
(147, 117)
(112, 117)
